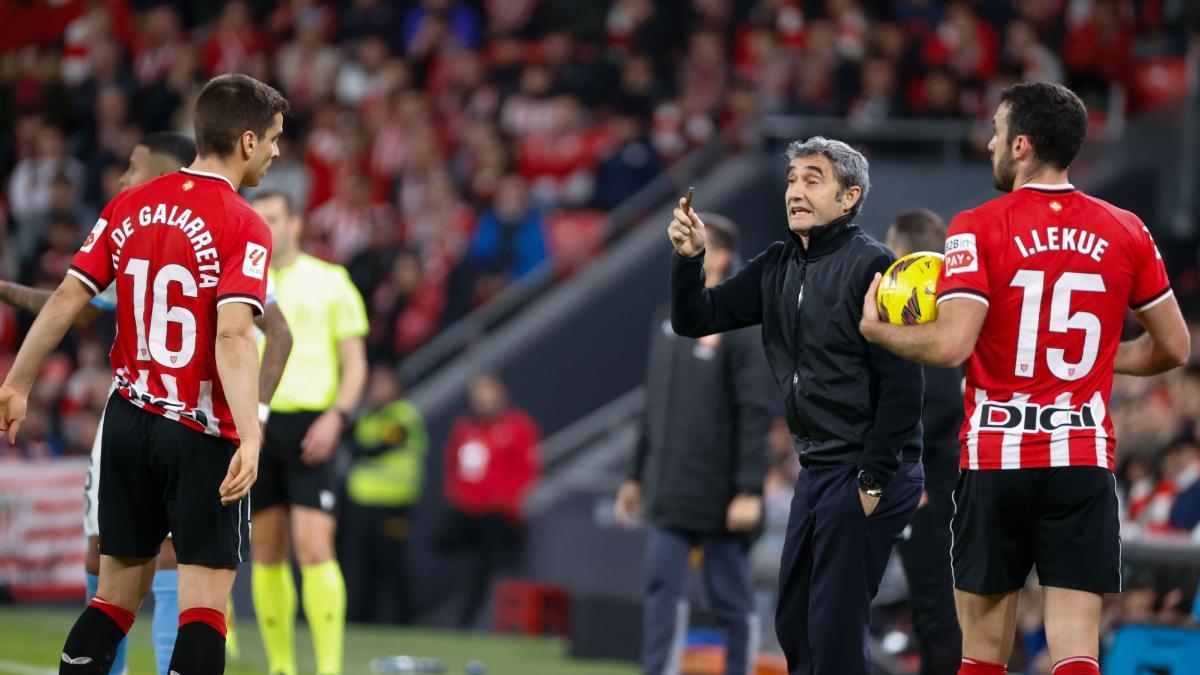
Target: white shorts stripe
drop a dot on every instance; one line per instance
(973, 430)
(1010, 446)
(1060, 438)
(1101, 434)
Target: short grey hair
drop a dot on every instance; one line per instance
(849, 164)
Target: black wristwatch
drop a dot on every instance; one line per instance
(869, 484)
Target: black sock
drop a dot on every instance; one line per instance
(199, 650)
(91, 645)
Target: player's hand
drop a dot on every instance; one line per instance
(628, 506)
(243, 471)
(744, 513)
(12, 411)
(870, 312)
(686, 231)
(869, 503)
(322, 438)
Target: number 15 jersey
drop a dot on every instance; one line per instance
(1057, 270)
(177, 247)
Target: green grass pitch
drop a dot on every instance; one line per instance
(31, 639)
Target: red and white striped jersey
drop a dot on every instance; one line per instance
(1057, 269)
(177, 247)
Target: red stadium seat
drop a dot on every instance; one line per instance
(574, 237)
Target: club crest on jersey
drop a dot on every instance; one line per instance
(94, 235)
(1032, 417)
(961, 254)
(188, 185)
(254, 265)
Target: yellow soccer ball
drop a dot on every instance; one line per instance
(908, 290)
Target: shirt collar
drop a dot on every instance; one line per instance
(206, 174)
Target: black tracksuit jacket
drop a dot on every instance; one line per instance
(847, 401)
(703, 436)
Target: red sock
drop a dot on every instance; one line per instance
(1077, 665)
(206, 615)
(123, 617)
(976, 667)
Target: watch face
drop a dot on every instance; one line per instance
(867, 482)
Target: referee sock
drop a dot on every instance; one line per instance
(165, 624)
(200, 646)
(92, 643)
(1077, 665)
(275, 608)
(976, 667)
(325, 608)
(118, 664)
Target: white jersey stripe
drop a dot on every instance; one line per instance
(1060, 438)
(973, 431)
(1010, 446)
(1101, 433)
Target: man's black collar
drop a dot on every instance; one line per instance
(827, 238)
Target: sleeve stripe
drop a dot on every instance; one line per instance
(86, 278)
(964, 293)
(240, 297)
(1154, 300)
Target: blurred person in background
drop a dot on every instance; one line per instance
(698, 472)
(509, 243)
(493, 461)
(926, 550)
(383, 485)
(295, 496)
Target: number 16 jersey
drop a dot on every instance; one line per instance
(177, 247)
(1057, 270)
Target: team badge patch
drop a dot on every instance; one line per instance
(961, 254)
(188, 185)
(254, 265)
(94, 235)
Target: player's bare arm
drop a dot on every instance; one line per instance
(275, 352)
(47, 331)
(237, 365)
(32, 300)
(1167, 344)
(945, 342)
(323, 435)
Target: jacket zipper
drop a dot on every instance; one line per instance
(796, 338)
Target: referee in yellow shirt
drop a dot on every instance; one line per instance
(295, 493)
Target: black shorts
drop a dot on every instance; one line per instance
(1063, 520)
(158, 476)
(285, 480)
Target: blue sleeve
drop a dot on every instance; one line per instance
(487, 238)
(532, 246)
(106, 300)
(465, 24)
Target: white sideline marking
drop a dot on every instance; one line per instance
(12, 668)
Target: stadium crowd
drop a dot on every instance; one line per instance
(443, 149)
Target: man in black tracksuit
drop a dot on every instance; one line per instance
(698, 467)
(853, 408)
(926, 551)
